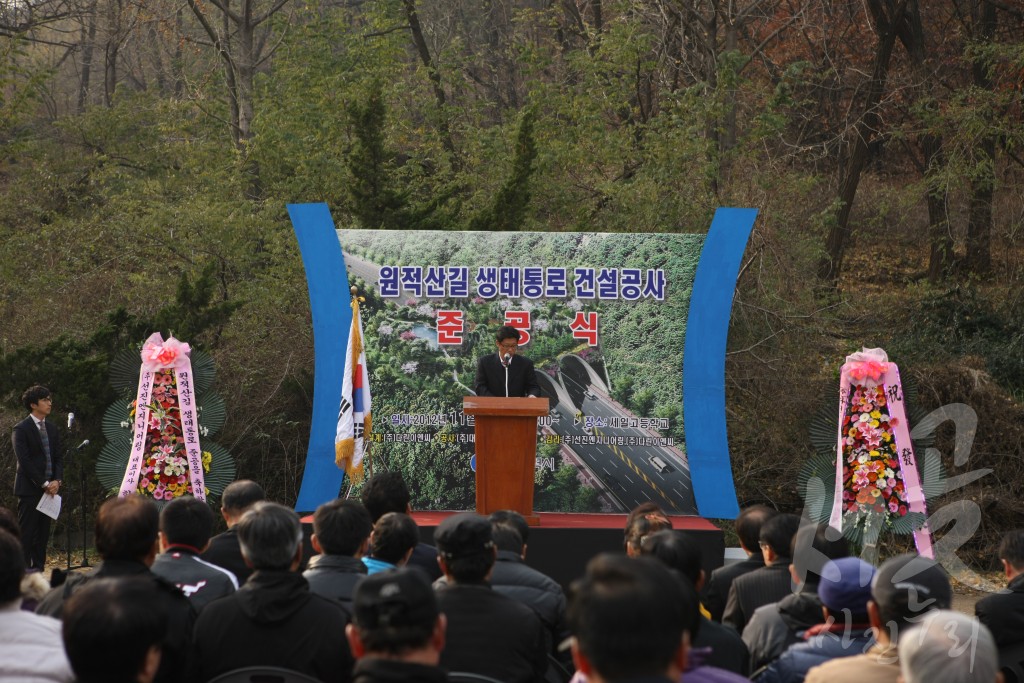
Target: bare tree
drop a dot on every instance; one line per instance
(887, 16)
(982, 24)
(241, 35)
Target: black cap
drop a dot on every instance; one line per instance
(464, 534)
(395, 599)
(911, 582)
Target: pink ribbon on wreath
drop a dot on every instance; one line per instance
(870, 368)
(158, 354)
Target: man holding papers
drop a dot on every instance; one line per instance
(40, 471)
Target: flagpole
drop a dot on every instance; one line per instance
(356, 300)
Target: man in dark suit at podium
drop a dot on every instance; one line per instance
(40, 470)
(504, 373)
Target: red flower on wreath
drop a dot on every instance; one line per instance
(165, 472)
(872, 478)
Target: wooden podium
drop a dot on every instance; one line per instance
(506, 452)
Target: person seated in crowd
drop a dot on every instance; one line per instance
(31, 647)
(712, 644)
(386, 492)
(185, 528)
(223, 551)
(771, 582)
(776, 626)
(33, 586)
(1003, 613)
(843, 629)
(643, 520)
(341, 534)
(628, 617)
(748, 529)
(113, 631)
(273, 619)
(488, 633)
(904, 589)
(949, 647)
(127, 539)
(397, 631)
(394, 537)
(512, 577)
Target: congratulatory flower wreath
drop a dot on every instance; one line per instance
(158, 435)
(872, 476)
(866, 476)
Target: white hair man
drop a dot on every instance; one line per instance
(949, 647)
(273, 619)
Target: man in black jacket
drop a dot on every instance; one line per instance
(40, 471)
(748, 529)
(770, 583)
(1003, 613)
(504, 373)
(774, 627)
(512, 577)
(185, 527)
(126, 538)
(488, 633)
(713, 644)
(113, 630)
(272, 620)
(341, 534)
(629, 617)
(397, 632)
(224, 551)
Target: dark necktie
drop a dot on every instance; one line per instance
(46, 449)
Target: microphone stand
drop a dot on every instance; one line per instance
(81, 504)
(81, 489)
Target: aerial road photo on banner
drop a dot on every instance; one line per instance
(602, 317)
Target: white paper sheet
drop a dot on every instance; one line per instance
(49, 505)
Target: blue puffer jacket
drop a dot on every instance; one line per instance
(792, 666)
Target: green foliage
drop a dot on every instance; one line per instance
(77, 371)
(564, 492)
(19, 88)
(507, 212)
(965, 321)
(374, 202)
(552, 120)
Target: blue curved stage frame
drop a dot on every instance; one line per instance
(330, 304)
(707, 330)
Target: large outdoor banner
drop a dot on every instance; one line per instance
(604, 318)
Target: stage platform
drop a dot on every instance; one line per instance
(563, 543)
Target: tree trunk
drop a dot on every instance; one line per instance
(158, 61)
(423, 51)
(979, 219)
(88, 42)
(177, 67)
(940, 238)
(940, 260)
(110, 70)
(245, 94)
(729, 124)
(866, 128)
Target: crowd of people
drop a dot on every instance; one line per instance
(364, 599)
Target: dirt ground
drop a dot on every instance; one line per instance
(964, 595)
